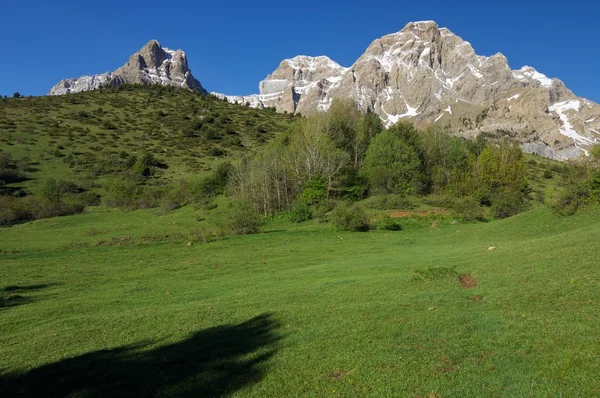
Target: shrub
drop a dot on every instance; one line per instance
(468, 209)
(389, 202)
(13, 210)
(122, 193)
(346, 217)
(314, 191)
(212, 185)
(300, 212)
(243, 219)
(506, 203)
(387, 223)
(324, 209)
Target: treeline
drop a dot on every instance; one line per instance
(345, 154)
(582, 185)
(315, 169)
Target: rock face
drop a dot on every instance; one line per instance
(153, 64)
(427, 74)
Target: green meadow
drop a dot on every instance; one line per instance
(113, 303)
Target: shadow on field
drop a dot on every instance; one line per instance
(12, 296)
(212, 362)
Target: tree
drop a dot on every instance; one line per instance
(17, 95)
(312, 152)
(391, 164)
(501, 179)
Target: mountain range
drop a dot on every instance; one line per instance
(424, 74)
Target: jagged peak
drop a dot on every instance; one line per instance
(311, 63)
(151, 64)
(421, 25)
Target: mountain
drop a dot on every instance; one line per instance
(427, 74)
(153, 64)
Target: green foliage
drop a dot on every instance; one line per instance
(213, 184)
(468, 209)
(392, 164)
(122, 192)
(314, 191)
(595, 153)
(51, 191)
(300, 212)
(389, 202)
(347, 217)
(387, 223)
(145, 165)
(582, 189)
(501, 179)
(243, 219)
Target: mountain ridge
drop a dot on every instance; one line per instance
(427, 74)
(423, 73)
(152, 64)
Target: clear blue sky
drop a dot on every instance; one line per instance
(232, 45)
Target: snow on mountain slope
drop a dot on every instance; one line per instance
(421, 72)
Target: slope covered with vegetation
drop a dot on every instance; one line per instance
(150, 136)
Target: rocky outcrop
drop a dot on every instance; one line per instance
(427, 74)
(153, 64)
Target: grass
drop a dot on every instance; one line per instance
(299, 310)
(88, 137)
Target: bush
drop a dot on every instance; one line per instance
(314, 191)
(243, 219)
(213, 184)
(324, 209)
(121, 193)
(387, 223)
(13, 210)
(468, 209)
(300, 212)
(389, 202)
(507, 203)
(346, 217)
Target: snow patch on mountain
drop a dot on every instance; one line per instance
(528, 72)
(562, 109)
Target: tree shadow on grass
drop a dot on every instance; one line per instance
(211, 363)
(12, 296)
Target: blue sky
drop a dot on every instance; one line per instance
(232, 45)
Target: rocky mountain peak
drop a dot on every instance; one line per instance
(427, 74)
(152, 64)
(152, 55)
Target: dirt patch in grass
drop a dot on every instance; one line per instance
(337, 374)
(422, 213)
(477, 299)
(467, 281)
(448, 366)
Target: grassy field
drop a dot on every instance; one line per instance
(120, 304)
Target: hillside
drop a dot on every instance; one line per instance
(91, 137)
